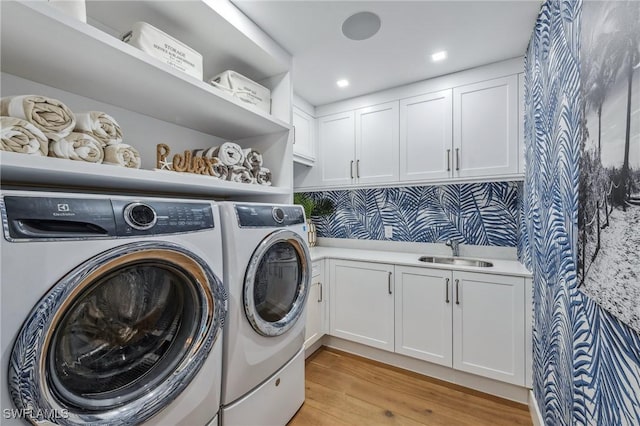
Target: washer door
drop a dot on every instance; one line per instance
(276, 283)
(119, 337)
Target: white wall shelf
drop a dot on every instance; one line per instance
(56, 172)
(67, 54)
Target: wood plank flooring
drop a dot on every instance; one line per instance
(344, 389)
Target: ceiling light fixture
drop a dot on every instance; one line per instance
(361, 26)
(342, 83)
(439, 56)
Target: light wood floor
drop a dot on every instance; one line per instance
(344, 389)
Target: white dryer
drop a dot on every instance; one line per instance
(267, 273)
(112, 309)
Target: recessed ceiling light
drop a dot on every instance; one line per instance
(439, 56)
(342, 83)
(361, 26)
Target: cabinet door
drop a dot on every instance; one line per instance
(423, 314)
(426, 136)
(521, 145)
(488, 326)
(377, 143)
(336, 140)
(485, 128)
(314, 328)
(361, 302)
(303, 137)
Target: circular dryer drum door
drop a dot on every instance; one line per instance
(277, 283)
(119, 337)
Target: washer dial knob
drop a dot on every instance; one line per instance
(278, 214)
(140, 216)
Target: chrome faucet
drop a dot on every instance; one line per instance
(455, 247)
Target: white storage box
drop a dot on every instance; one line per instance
(149, 39)
(244, 89)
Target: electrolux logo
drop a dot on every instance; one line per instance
(32, 413)
(64, 210)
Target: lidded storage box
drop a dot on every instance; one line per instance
(149, 39)
(246, 90)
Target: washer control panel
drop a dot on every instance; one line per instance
(259, 215)
(55, 218)
(142, 217)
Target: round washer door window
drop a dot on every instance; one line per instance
(119, 337)
(277, 283)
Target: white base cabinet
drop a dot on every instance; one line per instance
(489, 326)
(362, 302)
(472, 322)
(316, 316)
(423, 314)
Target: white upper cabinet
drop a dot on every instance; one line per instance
(303, 137)
(426, 137)
(377, 144)
(521, 145)
(489, 326)
(336, 135)
(485, 128)
(359, 147)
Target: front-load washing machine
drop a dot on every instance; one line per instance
(112, 309)
(267, 273)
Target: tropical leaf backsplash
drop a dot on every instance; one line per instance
(476, 213)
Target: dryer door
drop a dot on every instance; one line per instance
(119, 337)
(276, 283)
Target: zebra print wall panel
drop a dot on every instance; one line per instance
(478, 213)
(586, 363)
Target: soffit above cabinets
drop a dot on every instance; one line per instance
(473, 33)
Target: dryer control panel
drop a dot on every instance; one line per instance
(254, 215)
(40, 218)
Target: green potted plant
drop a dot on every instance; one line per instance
(316, 208)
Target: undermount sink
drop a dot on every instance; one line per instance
(456, 261)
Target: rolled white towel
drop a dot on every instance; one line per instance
(216, 169)
(262, 176)
(19, 135)
(100, 125)
(229, 153)
(252, 159)
(240, 174)
(47, 114)
(77, 146)
(122, 155)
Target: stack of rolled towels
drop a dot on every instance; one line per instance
(38, 125)
(231, 162)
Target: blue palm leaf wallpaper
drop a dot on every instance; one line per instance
(586, 362)
(471, 213)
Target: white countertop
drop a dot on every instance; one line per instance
(500, 266)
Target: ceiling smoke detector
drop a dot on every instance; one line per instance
(361, 26)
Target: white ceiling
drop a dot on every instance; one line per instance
(473, 33)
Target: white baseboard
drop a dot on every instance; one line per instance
(312, 348)
(534, 410)
(472, 381)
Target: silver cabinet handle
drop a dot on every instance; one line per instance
(390, 283)
(448, 160)
(320, 299)
(351, 169)
(358, 169)
(294, 135)
(457, 292)
(447, 290)
(457, 159)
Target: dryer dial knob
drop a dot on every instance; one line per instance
(140, 216)
(278, 214)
